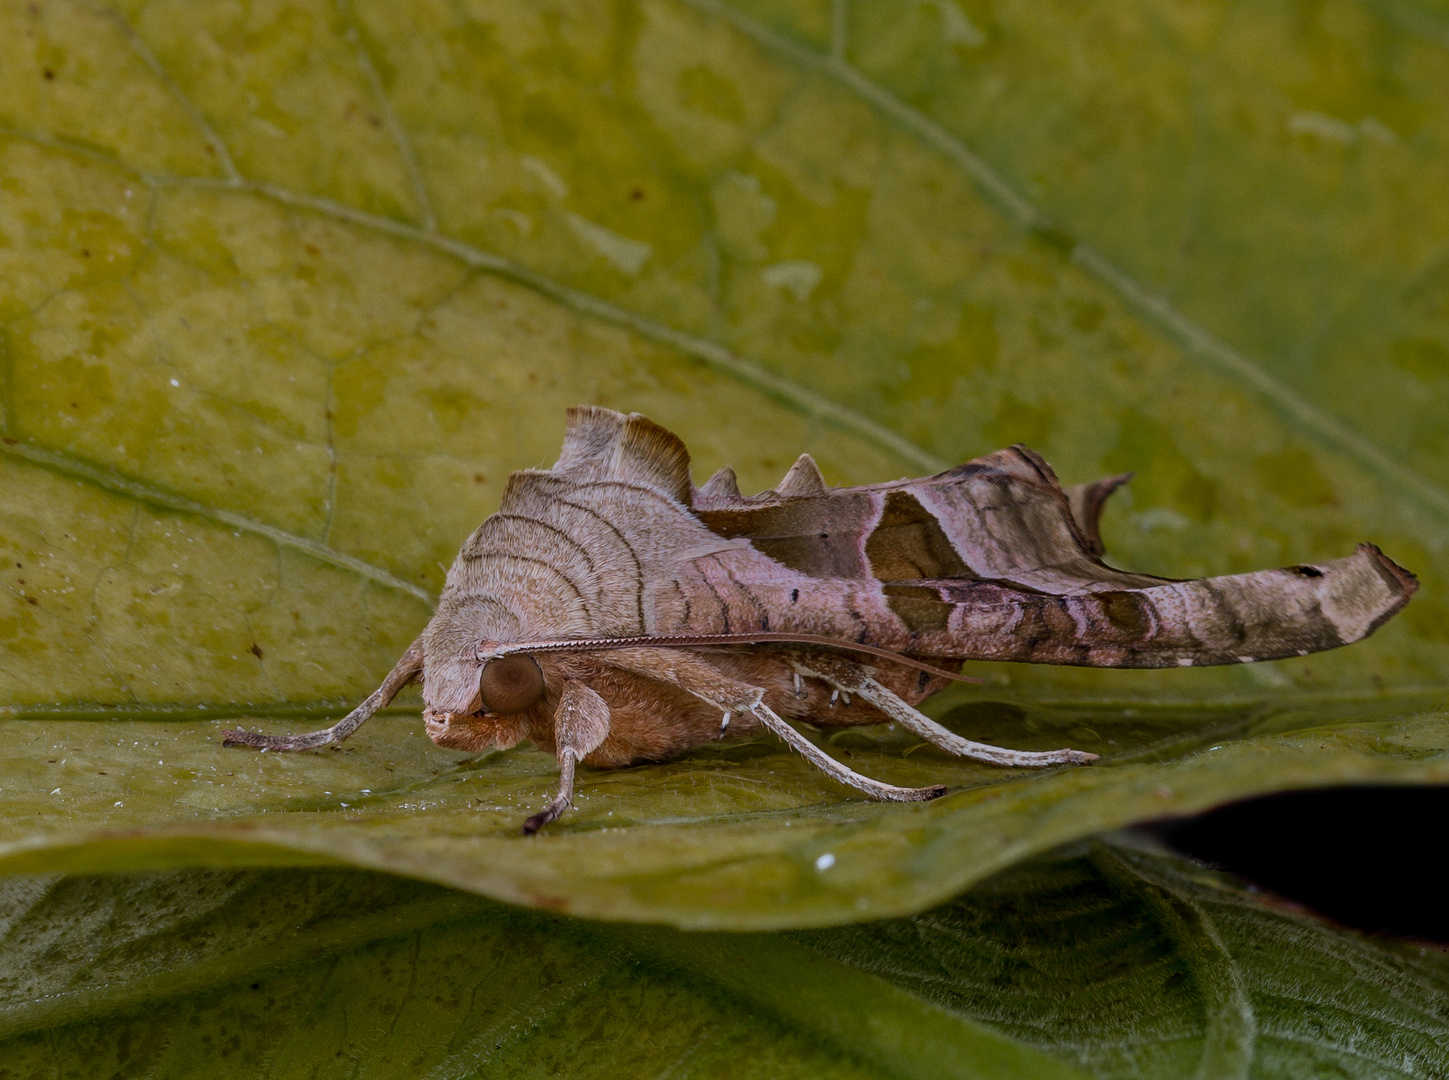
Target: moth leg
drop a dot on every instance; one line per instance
(704, 681)
(580, 724)
(404, 671)
(848, 677)
(919, 724)
(835, 770)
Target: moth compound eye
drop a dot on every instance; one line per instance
(511, 683)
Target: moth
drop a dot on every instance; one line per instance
(611, 612)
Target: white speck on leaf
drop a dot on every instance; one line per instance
(626, 254)
(1332, 129)
(795, 276)
(825, 862)
(550, 179)
(956, 28)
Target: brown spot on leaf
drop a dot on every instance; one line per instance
(48, 73)
(32, 601)
(256, 650)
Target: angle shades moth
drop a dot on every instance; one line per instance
(612, 612)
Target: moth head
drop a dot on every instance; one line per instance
(511, 684)
(453, 668)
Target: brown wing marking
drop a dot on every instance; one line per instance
(908, 543)
(1000, 516)
(1264, 615)
(818, 537)
(993, 560)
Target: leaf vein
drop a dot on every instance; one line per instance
(395, 130)
(1196, 341)
(120, 485)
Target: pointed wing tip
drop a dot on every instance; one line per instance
(1395, 576)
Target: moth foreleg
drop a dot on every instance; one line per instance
(404, 671)
(849, 677)
(580, 724)
(700, 678)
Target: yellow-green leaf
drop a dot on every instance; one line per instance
(287, 290)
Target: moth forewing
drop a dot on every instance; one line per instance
(610, 612)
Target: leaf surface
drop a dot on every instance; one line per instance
(286, 292)
(1106, 960)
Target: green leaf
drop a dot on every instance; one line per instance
(286, 293)
(1111, 961)
(341, 973)
(1138, 964)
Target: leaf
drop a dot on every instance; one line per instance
(1111, 959)
(1139, 964)
(285, 294)
(332, 973)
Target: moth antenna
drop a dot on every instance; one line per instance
(404, 671)
(491, 650)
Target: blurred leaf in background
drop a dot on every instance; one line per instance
(1106, 960)
(288, 289)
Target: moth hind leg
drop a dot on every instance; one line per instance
(835, 770)
(731, 696)
(848, 677)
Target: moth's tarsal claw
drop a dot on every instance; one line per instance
(548, 814)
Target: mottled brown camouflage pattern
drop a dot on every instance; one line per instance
(991, 560)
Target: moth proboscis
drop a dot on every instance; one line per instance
(611, 612)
